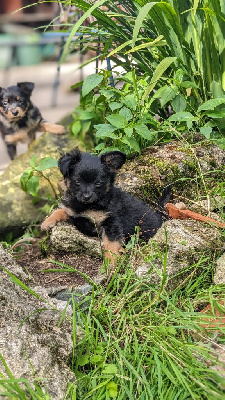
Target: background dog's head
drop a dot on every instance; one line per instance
(15, 100)
(90, 177)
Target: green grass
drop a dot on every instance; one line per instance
(142, 342)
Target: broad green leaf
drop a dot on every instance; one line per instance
(112, 388)
(143, 131)
(100, 146)
(159, 71)
(130, 101)
(33, 185)
(216, 114)
(217, 90)
(126, 113)
(76, 127)
(179, 103)
(128, 131)
(132, 143)
(211, 104)
(168, 94)
(188, 84)
(117, 120)
(85, 125)
(110, 369)
(90, 83)
(24, 179)
(96, 358)
(206, 131)
(108, 93)
(83, 360)
(46, 163)
(33, 161)
(87, 115)
(114, 105)
(103, 130)
(182, 116)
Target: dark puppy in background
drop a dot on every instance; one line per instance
(96, 207)
(19, 118)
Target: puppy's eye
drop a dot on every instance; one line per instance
(98, 184)
(21, 102)
(77, 183)
(5, 103)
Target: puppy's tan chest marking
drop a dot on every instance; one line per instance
(96, 216)
(113, 249)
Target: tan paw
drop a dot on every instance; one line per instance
(47, 224)
(9, 139)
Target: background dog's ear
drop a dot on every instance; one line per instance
(67, 162)
(26, 87)
(114, 159)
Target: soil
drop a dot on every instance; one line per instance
(33, 262)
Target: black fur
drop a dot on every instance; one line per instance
(90, 187)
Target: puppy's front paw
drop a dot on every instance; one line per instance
(47, 224)
(59, 130)
(9, 139)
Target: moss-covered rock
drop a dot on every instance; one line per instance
(17, 209)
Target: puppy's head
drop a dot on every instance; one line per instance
(90, 177)
(15, 100)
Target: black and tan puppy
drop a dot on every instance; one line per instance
(96, 207)
(19, 118)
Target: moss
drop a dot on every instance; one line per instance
(44, 245)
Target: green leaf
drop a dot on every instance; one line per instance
(188, 84)
(112, 388)
(104, 130)
(46, 163)
(211, 104)
(24, 179)
(90, 83)
(132, 143)
(110, 369)
(100, 146)
(87, 115)
(83, 360)
(115, 105)
(96, 358)
(216, 114)
(168, 94)
(117, 120)
(33, 185)
(85, 125)
(33, 161)
(159, 71)
(143, 131)
(76, 127)
(139, 20)
(126, 113)
(130, 101)
(179, 103)
(128, 131)
(206, 131)
(217, 90)
(182, 116)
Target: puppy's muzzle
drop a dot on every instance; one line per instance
(15, 112)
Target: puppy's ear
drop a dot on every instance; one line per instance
(26, 87)
(113, 160)
(67, 162)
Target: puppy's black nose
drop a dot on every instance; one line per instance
(15, 112)
(86, 196)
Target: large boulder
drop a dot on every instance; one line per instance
(178, 248)
(34, 345)
(17, 209)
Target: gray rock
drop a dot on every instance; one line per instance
(219, 276)
(177, 245)
(32, 342)
(66, 238)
